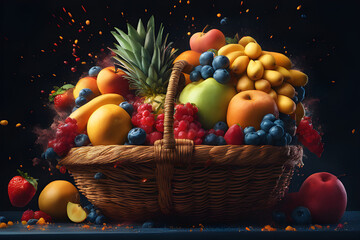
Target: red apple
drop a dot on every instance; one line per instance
(201, 41)
(325, 196)
(111, 80)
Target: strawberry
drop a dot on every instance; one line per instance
(41, 214)
(27, 215)
(234, 135)
(63, 97)
(21, 189)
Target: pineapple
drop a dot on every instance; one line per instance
(146, 59)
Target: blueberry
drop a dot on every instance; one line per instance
(148, 224)
(210, 139)
(137, 136)
(79, 101)
(221, 125)
(43, 155)
(220, 141)
(222, 76)
(288, 138)
(206, 58)
(277, 132)
(266, 125)
(224, 21)
(269, 140)
(86, 93)
(220, 62)
(301, 216)
(91, 217)
(262, 134)
(74, 109)
(50, 154)
(195, 76)
(32, 221)
(207, 71)
(198, 68)
(252, 138)
(279, 217)
(3, 219)
(279, 122)
(270, 117)
(99, 175)
(127, 107)
(300, 93)
(100, 219)
(89, 207)
(94, 71)
(249, 130)
(280, 142)
(82, 140)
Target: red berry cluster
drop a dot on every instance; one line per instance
(30, 214)
(217, 132)
(145, 119)
(186, 125)
(64, 138)
(309, 137)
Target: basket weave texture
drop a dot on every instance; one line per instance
(176, 179)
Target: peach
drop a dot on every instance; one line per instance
(111, 80)
(248, 108)
(86, 82)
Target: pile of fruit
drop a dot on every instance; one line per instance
(235, 94)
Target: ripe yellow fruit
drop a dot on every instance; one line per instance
(285, 89)
(109, 125)
(284, 72)
(253, 50)
(240, 64)
(285, 104)
(273, 94)
(274, 77)
(225, 50)
(75, 212)
(263, 85)
(82, 114)
(299, 112)
(255, 70)
(298, 79)
(245, 83)
(233, 55)
(54, 198)
(245, 40)
(280, 59)
(268, 61)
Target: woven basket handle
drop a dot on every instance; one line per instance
(169, 139)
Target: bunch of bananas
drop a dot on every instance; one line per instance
(266, 71)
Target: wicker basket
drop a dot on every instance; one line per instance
(176, 179)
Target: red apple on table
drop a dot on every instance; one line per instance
(201, 41)
(325, 196)
(111, 80)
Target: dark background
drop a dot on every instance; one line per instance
(322, 42)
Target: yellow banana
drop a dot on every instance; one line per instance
(284, 72)
(233, 55)
(280, 59)
(240, 64)
(298, 79)
(225, 50)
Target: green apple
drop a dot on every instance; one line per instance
(211, 98)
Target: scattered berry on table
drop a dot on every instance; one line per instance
(301, 215)
(3, 219)
(32, 221)
(100, 219)
(27, 215)
(41, 214)
(91, 217)
(148, 224)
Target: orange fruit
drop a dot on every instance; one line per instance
(191, 57)
(86, 82)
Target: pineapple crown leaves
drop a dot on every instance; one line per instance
(145, 57)
(59, 90)
(28, 178)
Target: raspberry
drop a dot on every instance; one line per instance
(211, 131)
(148, 129)
(144, 107)
(183, 125)
(191, 134)
(182, 135)
(154, 136)
(176, 132)
(193, 126)
(219, 132)
(201, 133)
(61, 148)
(148, 121)
(138, 102)
(146, 113)
(27, 215)
(159, 126)
(161, 117)
(41, 214)
(187, 118)
(62, 170)
(135, 120)
(198, 141)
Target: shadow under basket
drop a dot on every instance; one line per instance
(176, 179)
